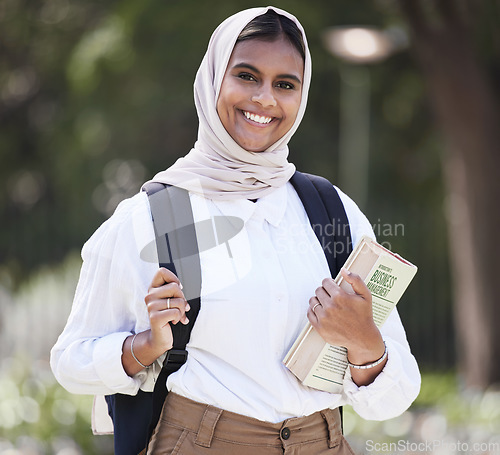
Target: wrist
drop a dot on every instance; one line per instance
(134, 337)
(369, 365)
(155, 347)
(365, 354)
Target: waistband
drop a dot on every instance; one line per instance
(211, 422)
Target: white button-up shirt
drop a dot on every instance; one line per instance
(254, 299)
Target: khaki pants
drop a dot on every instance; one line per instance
(190, 428)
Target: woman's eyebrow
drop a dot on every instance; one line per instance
(255, 70)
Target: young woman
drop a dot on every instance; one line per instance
(234, 395)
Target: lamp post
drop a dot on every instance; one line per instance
(358, 47)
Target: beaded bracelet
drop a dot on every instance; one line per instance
(133, 355)
(370, 365)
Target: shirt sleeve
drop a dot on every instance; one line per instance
(108, 306)
(398, 384)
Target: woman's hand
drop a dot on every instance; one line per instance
(166, 304)
(346, 319)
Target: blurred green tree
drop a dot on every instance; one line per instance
(457, 44)
(95, 97)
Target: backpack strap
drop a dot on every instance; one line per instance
(177, 249)
(327, 216)
(135, 417)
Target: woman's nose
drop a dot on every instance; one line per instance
(265, 97)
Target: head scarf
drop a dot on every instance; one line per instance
(217, 167)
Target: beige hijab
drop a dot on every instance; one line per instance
(217, 167)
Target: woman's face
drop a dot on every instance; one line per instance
(261, 92)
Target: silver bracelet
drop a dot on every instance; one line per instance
(370, 365)
(133, 355)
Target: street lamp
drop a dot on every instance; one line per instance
(359, 47)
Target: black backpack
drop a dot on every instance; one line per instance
(135, 417)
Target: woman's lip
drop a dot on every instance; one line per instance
(257, 119)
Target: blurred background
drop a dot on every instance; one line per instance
(96, 97)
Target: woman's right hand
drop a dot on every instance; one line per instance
(166, 304)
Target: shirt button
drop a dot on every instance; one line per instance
(285, 433)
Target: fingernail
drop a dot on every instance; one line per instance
(181, 286)
(188, 307)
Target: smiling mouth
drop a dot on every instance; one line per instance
(260, 119)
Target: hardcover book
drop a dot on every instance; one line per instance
(387, 275)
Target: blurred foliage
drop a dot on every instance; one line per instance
(38, 417)
(96, 97)
(443, 420)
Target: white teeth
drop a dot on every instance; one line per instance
(257, 118)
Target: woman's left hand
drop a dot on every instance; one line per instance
(346, 319)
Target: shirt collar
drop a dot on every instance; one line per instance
(270, 207)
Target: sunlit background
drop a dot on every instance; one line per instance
(95, 97)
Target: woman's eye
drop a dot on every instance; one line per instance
(246, 77)
(285, 85)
